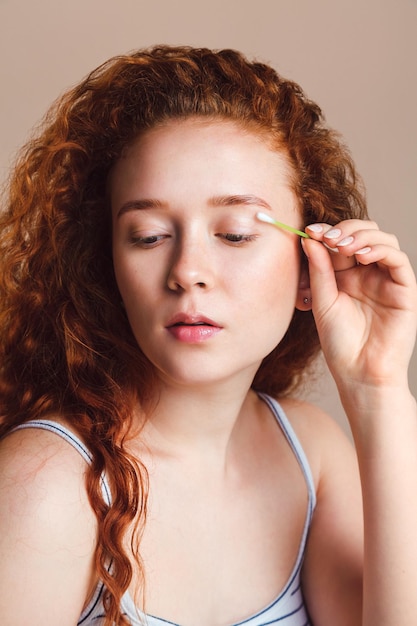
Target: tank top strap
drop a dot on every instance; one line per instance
(295, 444)
(74, 441)
(275, 407)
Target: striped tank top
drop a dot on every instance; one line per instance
(287, 609)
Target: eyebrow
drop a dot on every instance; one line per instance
(230, 200)
(140, 205)
(238, 199)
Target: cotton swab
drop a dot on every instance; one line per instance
(270, 220)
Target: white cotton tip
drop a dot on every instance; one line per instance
(265, 218)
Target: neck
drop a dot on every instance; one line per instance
(199, 422)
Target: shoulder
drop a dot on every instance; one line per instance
(309, 418)
(323, 440)
(42, 483)
(332, 572)
(46, 525)
(39, 459)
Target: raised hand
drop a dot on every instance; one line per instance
(364, 298)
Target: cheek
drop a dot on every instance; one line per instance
(276, 279)
(276, 294)
(123, 276)
(128, 281)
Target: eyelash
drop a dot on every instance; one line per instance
(146, 242)
(237, 238)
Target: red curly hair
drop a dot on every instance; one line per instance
(65, 345)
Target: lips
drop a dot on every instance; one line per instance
(183, 319)
(192, 328)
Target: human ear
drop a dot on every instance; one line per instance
(304, 300)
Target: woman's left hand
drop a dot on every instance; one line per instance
(364, 300)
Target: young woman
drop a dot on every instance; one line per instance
(155, 466)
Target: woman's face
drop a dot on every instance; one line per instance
(209, 290)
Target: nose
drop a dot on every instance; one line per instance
(190, 267)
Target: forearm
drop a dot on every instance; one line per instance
(384, 426)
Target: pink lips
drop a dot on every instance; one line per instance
(192, 328)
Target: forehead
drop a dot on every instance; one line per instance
(220, 156)
(186, 163)
(192, 163)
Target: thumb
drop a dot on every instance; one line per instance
(323, 284)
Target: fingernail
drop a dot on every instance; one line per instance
(333, 234)
(334, 250)
(363, 250)
(345, 242)
(316, 228)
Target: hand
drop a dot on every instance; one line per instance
(364, 299)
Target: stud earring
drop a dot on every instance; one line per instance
(307, 300)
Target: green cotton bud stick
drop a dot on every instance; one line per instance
(270, 220)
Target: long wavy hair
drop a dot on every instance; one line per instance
(66, 347)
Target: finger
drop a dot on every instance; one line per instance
(350, 240)
(362, 242)
(340, 261)
(334, 233)
(323, 283)
(391, 258)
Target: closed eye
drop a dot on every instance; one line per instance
(236, 238)
(148, 241)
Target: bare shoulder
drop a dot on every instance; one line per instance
(322, 439)
(47, 529)
(39, 464)
(332, 572)
(310, 418)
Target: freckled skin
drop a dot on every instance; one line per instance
(194, 247)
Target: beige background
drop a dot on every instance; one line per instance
(356, 58)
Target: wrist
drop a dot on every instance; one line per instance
(378, 409)
(368, 393)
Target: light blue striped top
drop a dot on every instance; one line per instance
(287, 609)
